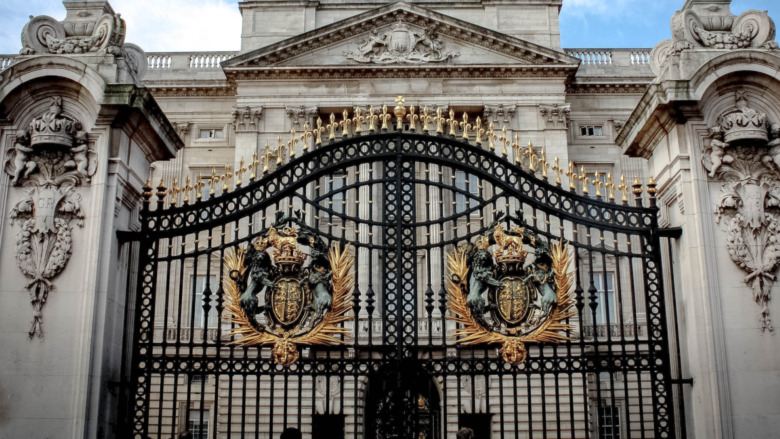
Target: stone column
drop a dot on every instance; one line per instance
(708, 126)
(77, 137)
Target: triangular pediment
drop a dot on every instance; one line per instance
(396, 35)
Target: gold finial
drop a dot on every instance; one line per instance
(465, 126)
(305, 137)
(572, 176)
(425, 119)
(147, 189)
(412, 119)
(213, 181)
(584, 179)
(543, 163)
(453, 123)
(399, 111)
(515, 149)
(478, 130)
(385, 118)
(332, 127)
(610, 187)
(532, 157)
(240, 172)
(491, 137)
(267, 157)
(254, 164)
(345, 124)
(186, 189)
(623, 187)
(279, 151)
(358, 121)
(558, 171)
(225, 179)
(161, 191)
(318, 133)
(439, 121)
(651, 187)
(199, 187)
(598, 183)
(292, 142)
(637, 189)
(372, 118)
(504, 140)
(174, 190)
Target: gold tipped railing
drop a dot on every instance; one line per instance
(411, 119)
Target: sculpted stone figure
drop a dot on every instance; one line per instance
(23, 164)
(718, 154)
(773, 153)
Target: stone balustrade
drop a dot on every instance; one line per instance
(611, 57)
(187, 60)
(6, 61)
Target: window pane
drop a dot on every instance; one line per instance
(584, 131)
(596, 131)
(198, 425)
(460, 198)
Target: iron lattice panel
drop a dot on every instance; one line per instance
(402, 200)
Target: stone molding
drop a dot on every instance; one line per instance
(182, 129)
(555, 116)
(742, 154)
(434, 71)
(51, 158)
(246, 118)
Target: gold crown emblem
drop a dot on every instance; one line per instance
(288, 255)
(509, 248)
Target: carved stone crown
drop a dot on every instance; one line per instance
(744, 123)
(54, 127)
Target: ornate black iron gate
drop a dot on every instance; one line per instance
(402, 199)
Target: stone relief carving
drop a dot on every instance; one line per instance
(714, 27)
(51, 158)
(742, 155)
(500, 114)
(300, 115)
(182, 129)
(403, 45)
(246, 118)
(556, 116)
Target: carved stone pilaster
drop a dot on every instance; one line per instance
(301, 115)
(500, 114)
(51, 159)
(555, 116)
(743, 157)
(246, 118)
(182, 129)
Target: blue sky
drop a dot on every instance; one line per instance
(204, 25)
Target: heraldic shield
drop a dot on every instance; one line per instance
(500, 297)
(302, 304)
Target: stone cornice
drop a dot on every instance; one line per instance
(172, 91)
(427, 71)
(608, 87)
(523, 51)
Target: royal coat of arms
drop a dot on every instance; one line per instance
(275, 298)
(499, 297)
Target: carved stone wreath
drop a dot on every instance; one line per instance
(51, 158)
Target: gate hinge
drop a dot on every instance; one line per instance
(671, 232)
(682, 381)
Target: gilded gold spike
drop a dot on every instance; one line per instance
(504, 140)
(358, 121)
(305, 137)
(214, 180)
(452, 123)
(584, 179)
(186, 189)
(240, 172)
(439, 121)
(610, 187)
(465, 126)
(279, 151)
(413, 118)
(637, 187)
(372, 118)
(623, 187)
(267, 157)
(558, 171)
(572, 176)
(225, 180)
(254, 164)
(318, 133)
(199, 187)
(174, 190)
(161, 192)
(332, 127)
(292, 142)
(385, 118)
(346, 123)
(598, 183)
(478, 130)
(491, 137)
(543, 163)
(516, 151)
(425, 119)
